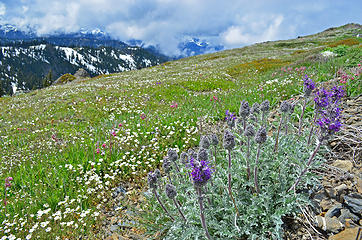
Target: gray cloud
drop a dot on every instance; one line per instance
(165, 23)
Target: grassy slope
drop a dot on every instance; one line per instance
(49, 138)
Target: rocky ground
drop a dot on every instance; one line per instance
(336, 210)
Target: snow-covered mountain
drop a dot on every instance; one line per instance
(25, 59)
(26, 65)
(196, 46)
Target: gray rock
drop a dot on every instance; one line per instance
(81, 73)
(330, 192)
(346, 214)
(319, 196)
(315, 206)
(329, 224)
(340, 189)
(333, 225)
(334, 211)
(354, 203)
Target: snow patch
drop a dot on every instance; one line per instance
(38, 47)
(129, 59)
(14, 86)
(147, 62)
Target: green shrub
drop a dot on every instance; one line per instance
(66, 78)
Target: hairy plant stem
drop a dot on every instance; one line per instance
(286, 124)
(256, 170)
(277, 137)
(312, 129)
(301, 117)
(160, 202)
(248, 160)
(229, 184)
(169, 178)
(244, 124)
(179, 210)
(208, 199)
(307, 167)
(202, 216)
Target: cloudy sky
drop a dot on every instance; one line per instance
(231, 23)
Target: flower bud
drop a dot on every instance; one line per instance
(249, 131)
(202, 155)
(284, 107)
(253, 118)
(184, 158)
(192, 154)
(244, 109)
(167, 166)
(214, 140)
(157, 173)
(152, 180)
(172, 155)
(229, 140)
(205, 142)
(170, 191)
(261, 136)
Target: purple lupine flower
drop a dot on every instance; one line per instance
(322, 98)
(308, 86)
(337, 93)
(329, 122)
(329, 125)
(201, 173)
(229, 115)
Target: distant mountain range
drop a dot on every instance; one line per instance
(196, 46)
(26, 59)
(188, 47)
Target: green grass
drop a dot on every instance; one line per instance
(49, 138)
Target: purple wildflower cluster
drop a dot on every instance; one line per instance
(308, 85)
(337, 93)
(324, 98)
(327, 103)
(201, 172)
(229, 116)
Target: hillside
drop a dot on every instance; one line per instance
(67, 147)
(27, 59)
(24, 66)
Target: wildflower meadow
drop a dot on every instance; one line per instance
(220, 146)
